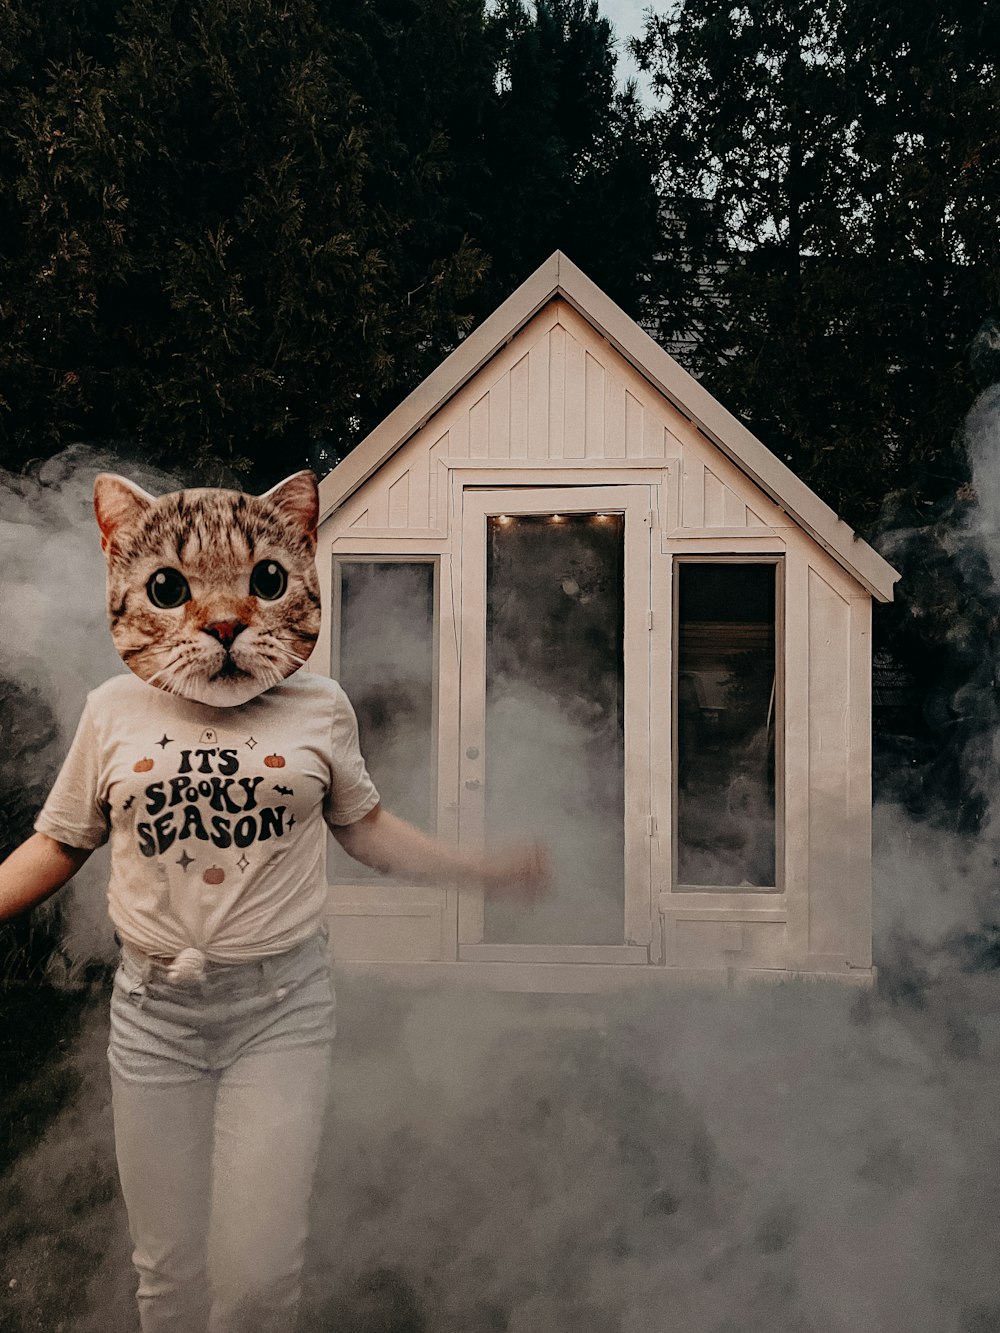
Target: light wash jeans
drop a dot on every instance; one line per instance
(219, 1089)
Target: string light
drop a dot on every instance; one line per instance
(556, 518)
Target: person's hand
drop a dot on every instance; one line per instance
(519, 874)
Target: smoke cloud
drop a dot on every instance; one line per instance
(797, 1157)
(56, 647)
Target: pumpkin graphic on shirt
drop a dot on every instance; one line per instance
(142, 765)
(214, 875)
(274, 760)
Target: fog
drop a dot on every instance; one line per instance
(56, 643)
(801, 1157)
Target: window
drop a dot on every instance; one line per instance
(384, 657)
(725, 715)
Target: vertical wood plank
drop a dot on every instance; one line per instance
(399, 501)
(672, 447)
(575, 397)
(479, 428)
(714, 501)
(519, 391)
(458, 437)
(661, 730)
(614, 417)
(557, 391)
(653, 444)
(594, 407)
(670, 502)
(859, 782)
(634, 426)
(795, 652)
(692, 491)
(321, 658)
(472, 700)
(500, 418)
(436, 484)
(638, 900)
(418, 486)
(378, 502)
(539, 375)
(829, 710)
(735, 512)
(448, 737)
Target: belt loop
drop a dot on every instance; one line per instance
(143, 964)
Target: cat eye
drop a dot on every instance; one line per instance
(168, 588)
(268, 580)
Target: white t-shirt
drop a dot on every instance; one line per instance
(216, 815)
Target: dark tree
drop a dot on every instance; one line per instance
(848, 158)
(835, 169)
(225, 236)
(236, 232)
(570, 161)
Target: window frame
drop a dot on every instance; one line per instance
(341, 558)
(729, 892)
(634, 500)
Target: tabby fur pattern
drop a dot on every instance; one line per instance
(202, 550)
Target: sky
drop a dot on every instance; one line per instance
(626, 19)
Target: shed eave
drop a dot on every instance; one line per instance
(441, 384)
(560, 277)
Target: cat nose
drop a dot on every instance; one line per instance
(225, 631)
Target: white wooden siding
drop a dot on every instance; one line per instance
(828, 762)
(558, 392)
(557, 405)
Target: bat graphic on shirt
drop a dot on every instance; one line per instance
(283, 791)
(128, 803)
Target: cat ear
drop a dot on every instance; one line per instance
(118, 503)
(297, 498)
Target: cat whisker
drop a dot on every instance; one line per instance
(280, 652)
(284, 661)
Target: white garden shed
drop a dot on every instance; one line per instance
(570, 595)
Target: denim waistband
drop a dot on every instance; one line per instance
(158, 969)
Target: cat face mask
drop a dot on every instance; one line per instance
(212, 594)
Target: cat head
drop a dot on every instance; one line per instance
(212, 594)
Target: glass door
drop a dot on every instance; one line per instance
(554, 715)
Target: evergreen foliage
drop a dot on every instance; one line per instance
(571, 163)
(234, 233)
(225, 231)
(237, 232)
(835, 170)
(847, 156)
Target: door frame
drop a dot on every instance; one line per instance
(634, 502)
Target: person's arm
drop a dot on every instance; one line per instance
(387, 843)
(34, 871)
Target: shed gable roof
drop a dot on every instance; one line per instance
(559, 277)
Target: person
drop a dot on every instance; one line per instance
(215, 766)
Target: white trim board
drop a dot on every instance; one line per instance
(589, 979)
